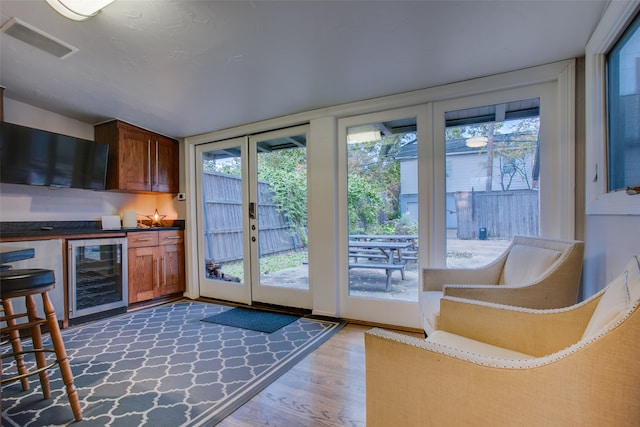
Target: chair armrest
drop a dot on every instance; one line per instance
(530, 331)
(434, 279)
(538, 297)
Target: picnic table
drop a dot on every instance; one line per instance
(388, 252)
(409, 254)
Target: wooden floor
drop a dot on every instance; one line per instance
(327, 388)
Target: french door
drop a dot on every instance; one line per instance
(503, 168)
(471, 173)
(252, 219)
(383, 185)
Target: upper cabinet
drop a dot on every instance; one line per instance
(139, 160)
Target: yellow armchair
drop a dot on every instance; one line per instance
(532, 272)
(496, 365)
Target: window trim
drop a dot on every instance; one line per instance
(599, 201)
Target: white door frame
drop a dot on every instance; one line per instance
(385, 311)
(212, 288)
(288, 297)
(557, 153)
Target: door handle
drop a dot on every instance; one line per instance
(252, 210)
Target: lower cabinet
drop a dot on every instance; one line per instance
(156, 264)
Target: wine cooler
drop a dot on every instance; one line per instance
(97, 276)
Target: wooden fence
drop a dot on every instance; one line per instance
(503, 214)
(223, 220)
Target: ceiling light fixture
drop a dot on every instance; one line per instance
(78, 10)
(477, 142)
(364, 136)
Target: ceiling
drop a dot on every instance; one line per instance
(183, 68)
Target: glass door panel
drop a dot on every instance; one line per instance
(252, 219)
(382, 203)
(492, 178)
(222, 222)
(381, 247)
(279, 217)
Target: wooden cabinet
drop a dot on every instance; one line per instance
(156, 264)
(139, 160)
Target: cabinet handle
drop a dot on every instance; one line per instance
(156, 165)
(172, 237)
(164, 272)
(145, 239)
(149, 161)
(157, 273)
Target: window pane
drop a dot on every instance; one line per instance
(382, 199)
(282, 212)
(623, 98)
(492, 175)
(222, 195)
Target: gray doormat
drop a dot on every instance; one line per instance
(255, 320)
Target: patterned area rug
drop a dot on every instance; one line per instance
(163, 366)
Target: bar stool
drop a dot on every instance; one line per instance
(27, 283)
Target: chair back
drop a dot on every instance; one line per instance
(529, 257)
(619, 298)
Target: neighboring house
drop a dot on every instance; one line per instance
(466, 171)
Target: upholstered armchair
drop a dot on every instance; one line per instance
(532, 272)
(496, 365)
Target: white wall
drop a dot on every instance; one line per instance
(35, 203)
(610, 242)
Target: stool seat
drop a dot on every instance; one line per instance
(24, 280)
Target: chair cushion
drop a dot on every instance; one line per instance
(619, 295)
(525, 263)
(473, 346)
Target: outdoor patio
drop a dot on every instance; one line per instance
(371, 282)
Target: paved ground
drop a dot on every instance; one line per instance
(371, 283)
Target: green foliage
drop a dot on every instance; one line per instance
(406, 225)
(364, 204)
(374, 182)
(286, 173)
(227, 166)
(271, 263)
(402, 225)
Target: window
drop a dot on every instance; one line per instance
(492, 179)
(612, 100)
(623, 110)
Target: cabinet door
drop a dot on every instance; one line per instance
(172, 269)
(135, 159)
(143, 273)
(165, 164)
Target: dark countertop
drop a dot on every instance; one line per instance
(44, 229)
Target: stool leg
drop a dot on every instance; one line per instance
(16, 344)
(36, 338)
(61, 355)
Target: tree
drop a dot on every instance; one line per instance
(515, 154)
(364, 205)
(374, 164)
